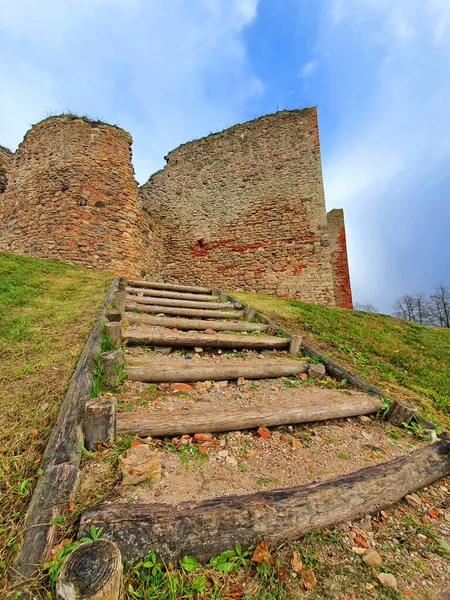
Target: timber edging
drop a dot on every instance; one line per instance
(57, 485)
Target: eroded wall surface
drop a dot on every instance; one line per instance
(245, 209)
(72, 196)
(339, 260)
(5, 162)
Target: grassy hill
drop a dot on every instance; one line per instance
(46, 310)
(403, 359)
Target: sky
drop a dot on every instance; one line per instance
(169, 71)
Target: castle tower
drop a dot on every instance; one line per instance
(72, 196)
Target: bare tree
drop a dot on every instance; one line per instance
(440, 305)
(413, 307)
(365, 307)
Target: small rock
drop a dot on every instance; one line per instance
(366, 524)
(357, 550)
(203, 437)
(422, 537)
(296, 443)
(198, 350)
(387, 579)
(231, 461)
(372, 558)
(223, 453)
(200, 387)
(241, 381)
(316, 371)
(413, 500)
(365, 419)
(163, 349)
(181, 387)
(140, 463)
(264, 432)
(208, 384)
(220, 384)
(209, 331)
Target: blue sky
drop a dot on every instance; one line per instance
(172, 70)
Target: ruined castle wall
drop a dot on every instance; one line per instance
(72, 196)
(245, 209)
(339, 261)
(5, 162)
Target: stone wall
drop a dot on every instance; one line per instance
(339, 261)
(5, 162)
(245, 209)
(72, 196)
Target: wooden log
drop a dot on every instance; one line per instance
(401, 412)
(114, 331)
(178, 303)
(156, 285)
(113, 315)
(99, 423)
(295, 344)
(120, 299)
(182, 339)
(207, 528)
(93, 571)
(179, 422)
(249, 313)
(112, 362)
(174, 295)
(249, 370)
(184, 312)
(191, 324)
(122, 284)
(55, 488)
(66, 439)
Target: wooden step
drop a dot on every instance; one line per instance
(189, 324)
(180, 422)
(184, 312)
(179, 303)
(232, 370)
(181, 339)
(156, 285)
(174, 295)
(207, 528)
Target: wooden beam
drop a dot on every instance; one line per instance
(114, 331)
(174, 295)
(249, 370)
(207, 528)
(120, 299)
(156, 285)
(178, 303)
(112, 362)
(191, 324)
(182, 339)
(295, 344)
(184, 312)
(93, 571)
(179, 422)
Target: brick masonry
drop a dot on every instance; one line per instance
(240, 209)
(245, 209)
(72, 196)
(339, 261)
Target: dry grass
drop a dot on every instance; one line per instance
(46, 310)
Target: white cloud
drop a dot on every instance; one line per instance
(308, 69)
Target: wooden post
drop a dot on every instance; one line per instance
(122, 284)
(99, 423)
(120, 299)
(113, 315)
(93, 571)
(112, 361)
(114, 331)
(295, 344)
(401, 412)
(249, 313)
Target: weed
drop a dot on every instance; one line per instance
(343, 455)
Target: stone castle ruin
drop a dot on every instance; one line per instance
(240, 209)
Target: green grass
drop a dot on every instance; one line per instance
(403, 359)
(46, 310)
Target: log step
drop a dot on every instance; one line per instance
(184, 312)
(182, 422)
(189, 324)
(179, 303)
(207, 528)
(182, 339)
(156, 285)
(174, 295)
(248, 369)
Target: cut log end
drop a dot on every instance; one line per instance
(92, 571)
(114, 331)
(99, 424)
(401, 411)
